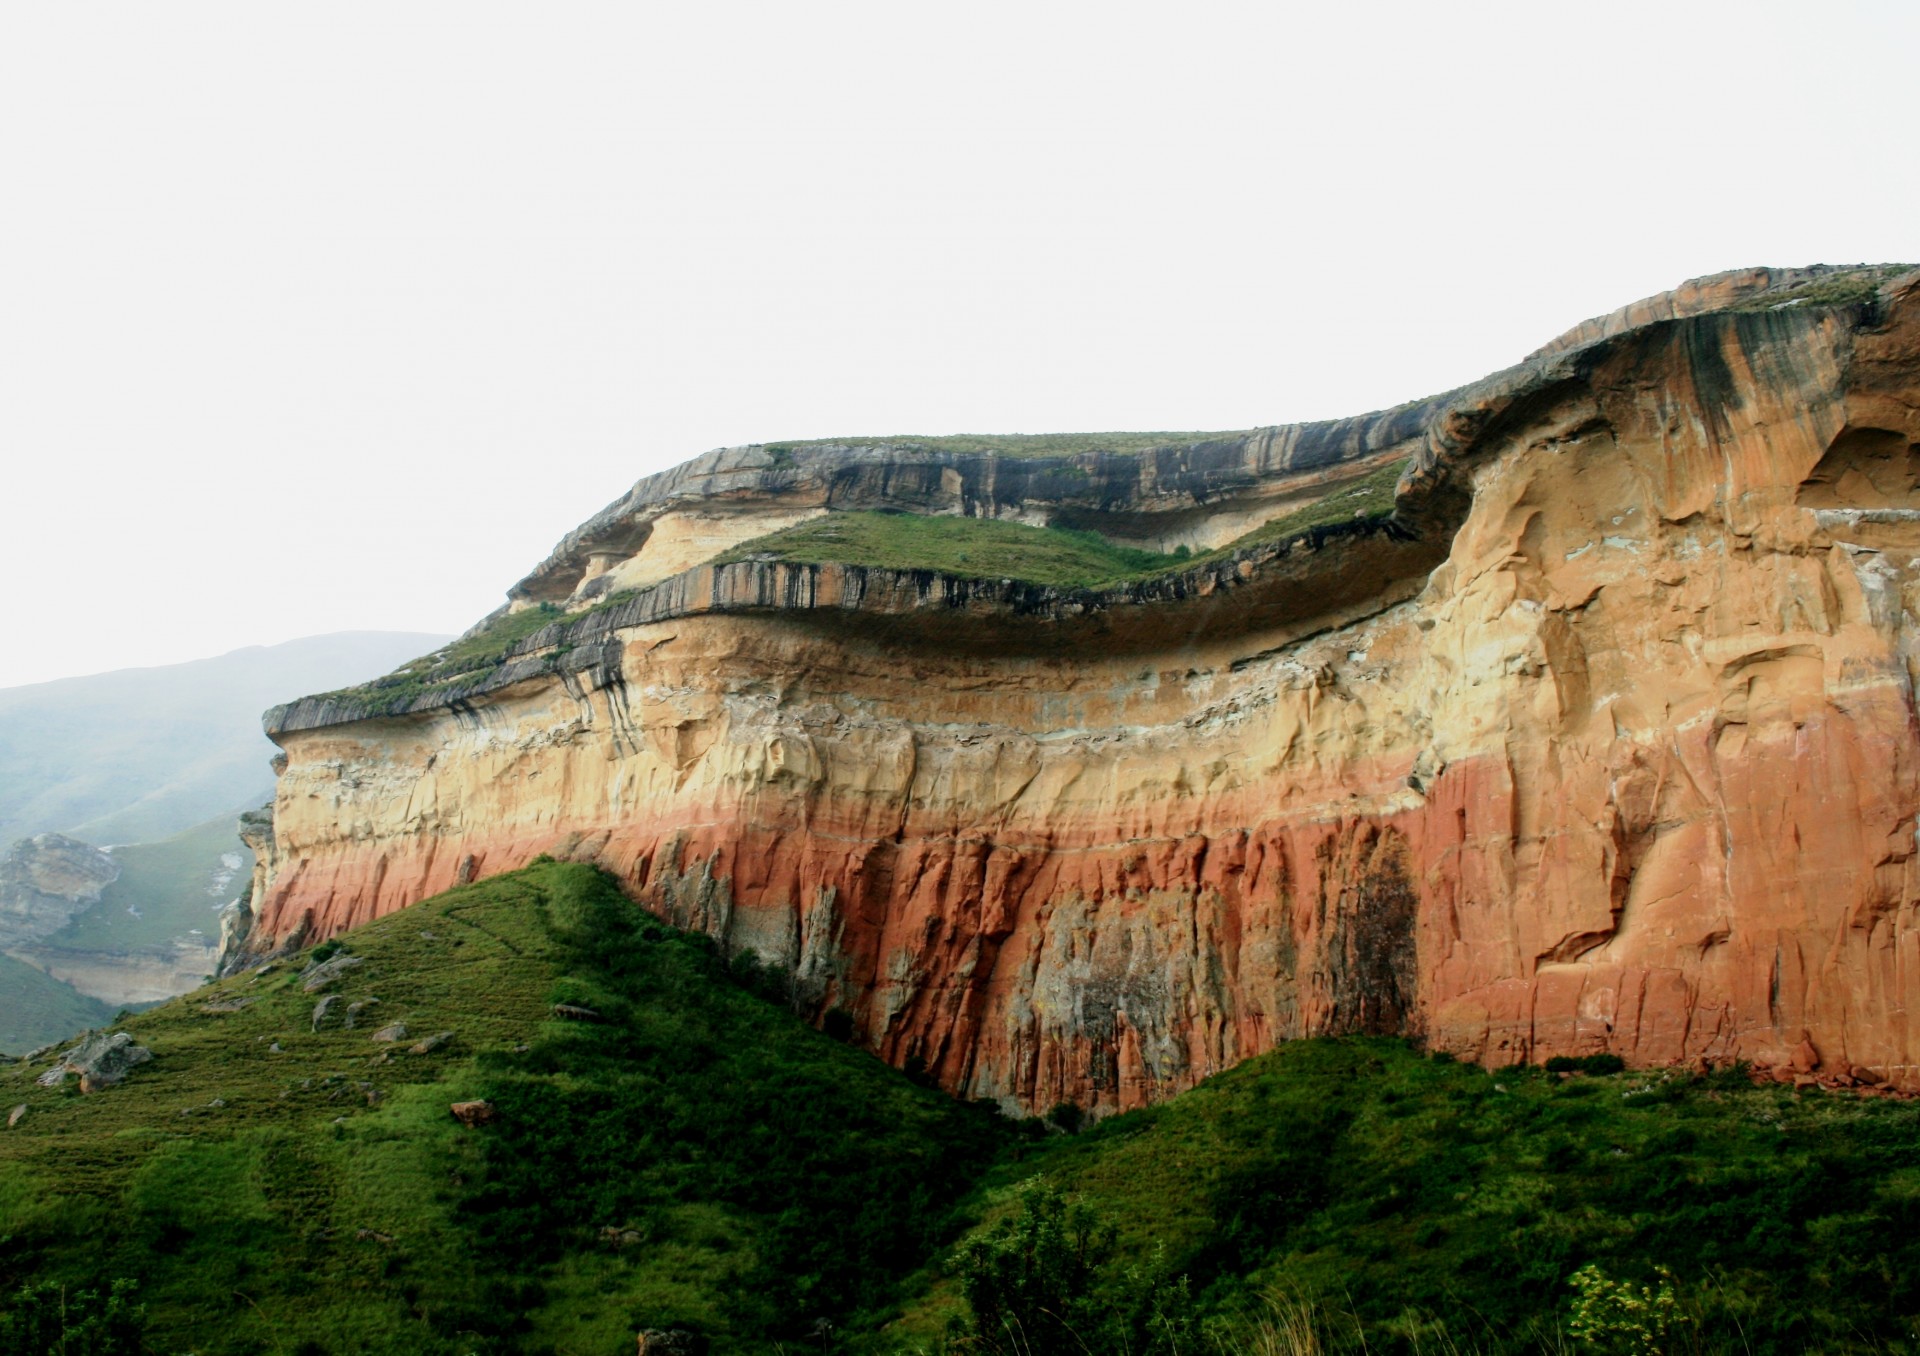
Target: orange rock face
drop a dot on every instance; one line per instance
(1610, 745)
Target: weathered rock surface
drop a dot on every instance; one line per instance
(101, 1060)
(471, 1114)
(45, 880)
(1605, 742)
(316, 977)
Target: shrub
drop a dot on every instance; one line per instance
(50, 1320)
(1041, 1282)
(1066, 1116)
(326, 951)
(1617, 1316)
(1598, 1065)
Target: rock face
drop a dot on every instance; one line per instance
(101, 1059)
(45, 880)
(1604, 742)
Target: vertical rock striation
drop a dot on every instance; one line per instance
(1606, 741)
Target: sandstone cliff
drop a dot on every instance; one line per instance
(1603, 739)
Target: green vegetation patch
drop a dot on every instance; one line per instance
(669, 1146)
(464, 660)
(687, 1152)
(1841, 289)
(1023, 444)
(970, 548)
(36, 1008)
(990, 548)
(1368, 499)
(1402, 1203)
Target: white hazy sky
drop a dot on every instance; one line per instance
(337, 316)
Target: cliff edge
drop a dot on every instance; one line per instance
(1593, 731)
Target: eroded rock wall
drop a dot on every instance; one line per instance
(1610, 745)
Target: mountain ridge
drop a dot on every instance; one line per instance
(1426, 772)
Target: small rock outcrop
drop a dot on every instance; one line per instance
(471, 1114)
(99, 1061)
(323, 1009)
(672, 1342)
(317, 977)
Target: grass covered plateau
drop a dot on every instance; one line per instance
(671, 1147)
(971, 548)
(1023, 444)
(1840, 289)
(990, 548)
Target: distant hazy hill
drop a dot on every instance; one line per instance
(141, 754)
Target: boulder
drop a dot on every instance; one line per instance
(323, 1009)
(671, 1342)
(355, 1009)
(397, 1031)
(317, 977)
(471, 1114)
(573, 1012)
(15, 1116)
(430, 1044)
(101, 1060)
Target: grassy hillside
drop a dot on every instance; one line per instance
(165, 890)
(699, 1156)
(1409, 1203)
(36, 1008)
(687, 1153)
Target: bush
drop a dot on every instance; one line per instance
(1598, 1065)
(1067, 1117)
(1039, 1283)
(1617, 1316)
(50, 1320)
(326, 951)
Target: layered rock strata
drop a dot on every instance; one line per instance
(1605, 741)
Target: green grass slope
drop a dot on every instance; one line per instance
(698, 1157)
(36, 1008)
(1420, 1204)
(974, 548)
(165, 890)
